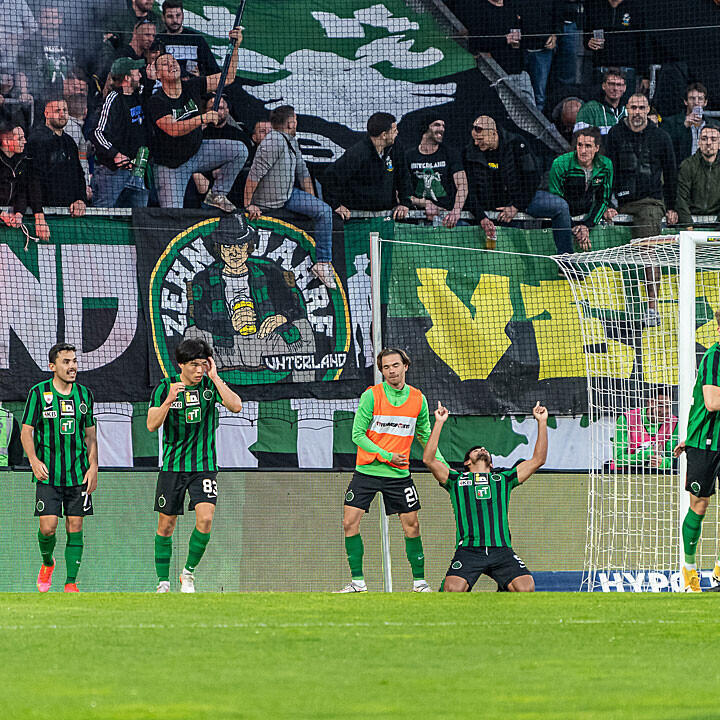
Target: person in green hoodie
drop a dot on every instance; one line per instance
(698, 191)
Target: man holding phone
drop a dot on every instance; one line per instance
(684, 128)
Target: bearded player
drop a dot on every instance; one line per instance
(60, 440)
(480, 499)
(185, 405)
(388, 417)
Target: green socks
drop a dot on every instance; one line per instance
(414, 552)
(163, 553)
(691, 534)
(73, 555)
(355, 551)
(47, 545)
(198, 543)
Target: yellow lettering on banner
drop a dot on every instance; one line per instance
(469, 343)
(559, 333)
(659, 344)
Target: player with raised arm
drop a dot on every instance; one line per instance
(702, 447)
(185, 406)
(480, 499)
(388, 417)
(59, 438)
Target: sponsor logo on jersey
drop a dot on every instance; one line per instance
(48, 398)
(177, 405)
(193, 415)
(49, 414)
(67, 426)
(465, 481)
(192, 397)
(67, 407)
(482, 487)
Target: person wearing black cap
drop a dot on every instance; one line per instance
(248, 307)
(438, 180)
(120, 134)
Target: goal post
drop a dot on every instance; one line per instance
(640, 374)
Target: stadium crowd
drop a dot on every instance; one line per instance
(126, 118)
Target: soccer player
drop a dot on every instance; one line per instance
(388, 417)
(59, 438)
(185, 406)
(702, 447)
(480, 499)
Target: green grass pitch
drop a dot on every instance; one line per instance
(481, 655)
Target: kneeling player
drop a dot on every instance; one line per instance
(185, 406)
(480, 499)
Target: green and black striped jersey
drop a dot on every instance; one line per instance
(190, 425)
(703, 425)
(480, 503)
(59, 423)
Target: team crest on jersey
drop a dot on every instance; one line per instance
(456, 565)
(40, 505)
(496, 477)
(161, 501)
(207, 394)
(48, 398)
(83, 408)
(67, 407)
(192, 397)
(280, 324)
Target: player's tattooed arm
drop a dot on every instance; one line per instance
(91, 476)
(230, 399)
(39, 468)
(438, 468)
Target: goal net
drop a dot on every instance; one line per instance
(647, 315)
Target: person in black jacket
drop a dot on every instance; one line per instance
(504, 175)
(56, 161)
(368, 176)
(19, 188)
(188, 47)
(120, 133)
(645, 177)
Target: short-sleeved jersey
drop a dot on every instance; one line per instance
(59, 422)
(480, 503)
(190, 425)
(703, 425)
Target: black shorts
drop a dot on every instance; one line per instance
(703, 467)
(50, 499)
(499, 563)
(400, 494)
(172, 486)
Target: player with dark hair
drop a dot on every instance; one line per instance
(480, 499)
(59, 438)
(185, 406)
(702, 447)
(388, 417)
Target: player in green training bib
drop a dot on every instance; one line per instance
(59, 438)
(185, 405)
(702, 448)
(480, 497)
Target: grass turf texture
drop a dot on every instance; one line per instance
(203, 657)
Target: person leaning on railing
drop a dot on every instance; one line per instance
(19, 188)
(698, 185)
(369, 175)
